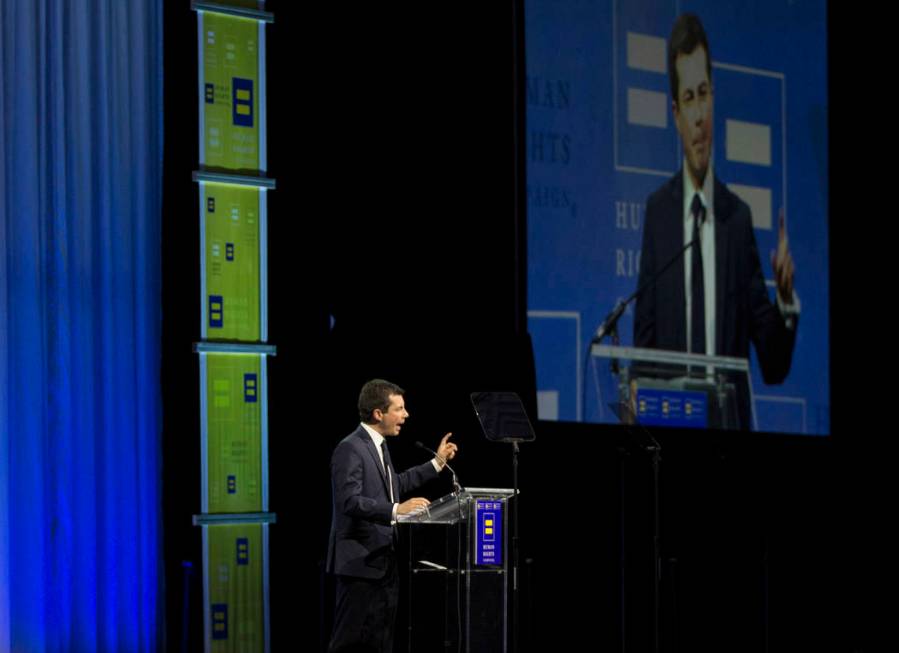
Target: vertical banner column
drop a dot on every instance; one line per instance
(233, 352)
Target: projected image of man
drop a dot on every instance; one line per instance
(713, 300)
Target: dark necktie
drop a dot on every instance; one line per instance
(697, 297)
(387, 465)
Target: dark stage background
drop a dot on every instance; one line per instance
(391, 140)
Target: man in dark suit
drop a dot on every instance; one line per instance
(713, 299)
(366, 493)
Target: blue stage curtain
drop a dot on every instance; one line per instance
(80, 326)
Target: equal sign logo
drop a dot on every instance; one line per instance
(216, 311)
(229, 251)
(221, 398)
(243, 551)
(219, 620)
(489, 520)
(242, 97)
(249, 388)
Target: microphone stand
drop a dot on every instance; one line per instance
(649, 444)
(656, 545)
(457, 488)
(609, 326)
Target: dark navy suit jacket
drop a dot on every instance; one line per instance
(743, 311)
(362, 539)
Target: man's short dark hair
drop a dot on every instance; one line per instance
(376, 394)
(686, 35)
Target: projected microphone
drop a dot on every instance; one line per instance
(610, 322)
(456, 486)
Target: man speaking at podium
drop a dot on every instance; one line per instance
(366, 493)
(713, 300)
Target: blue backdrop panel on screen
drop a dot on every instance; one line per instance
(601, 138)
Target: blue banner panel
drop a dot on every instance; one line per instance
(489, 536)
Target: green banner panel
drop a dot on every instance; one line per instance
(232, 288)
(236, 592)
(230, 86)
(234, 414)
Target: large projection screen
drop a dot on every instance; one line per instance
(602, 137)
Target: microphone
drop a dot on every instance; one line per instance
(456, 486)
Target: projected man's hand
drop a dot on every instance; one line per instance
(782, 262)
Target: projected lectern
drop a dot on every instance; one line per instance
(672, 388)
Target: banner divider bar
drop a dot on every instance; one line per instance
(240, 12)
(255, 181)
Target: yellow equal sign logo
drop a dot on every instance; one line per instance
(221, 393)
(242, 96)
(243, 104)
(216, 311)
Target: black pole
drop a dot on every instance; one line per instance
(515, 597)
(622, 553)
(187, 570)
(657, 548)
(409, 574)
(519, 168)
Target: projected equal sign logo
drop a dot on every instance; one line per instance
(647, 107)
(645, 136)
(751, 136)
(232, 484)
(748, 142)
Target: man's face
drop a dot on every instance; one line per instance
(693, 111)
(390, 421)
